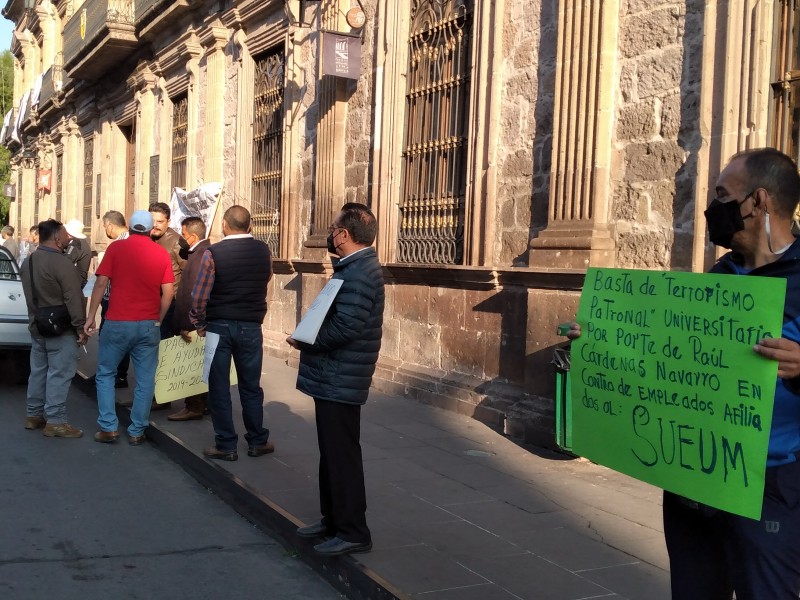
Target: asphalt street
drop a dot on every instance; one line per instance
(82, 520)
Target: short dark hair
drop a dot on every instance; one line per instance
(775, 172)
(115, 218)
(48, 229)
(34, 228)
(237, 217)
(160, 207)
(195, 225)
(360, 222)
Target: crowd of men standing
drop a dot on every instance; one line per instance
(152, 283)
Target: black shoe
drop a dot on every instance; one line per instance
(337, 547)
(267, 448)
(213, 452)
(318, 529)
(121, 382)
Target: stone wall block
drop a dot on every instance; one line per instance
(483, 311)
(411, 303)
(390, 343)
(492, 353)
(652, 30)
(447, 307)
(671, 116)
(644, 250)
(663, 199)
(628, 82)
(636, 122)
(514, 249)
(627, 203)
(546, 309)
(653, 161)
(419, 344)
(463, 351)
(660, 72)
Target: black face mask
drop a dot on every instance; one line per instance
(724, 219)
(183, 251)
(331, 247)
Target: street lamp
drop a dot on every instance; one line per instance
(30, 6)
(28, 158)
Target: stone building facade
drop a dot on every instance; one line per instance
(505, 146)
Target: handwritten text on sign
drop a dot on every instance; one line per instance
(179, 373)
(666, 386)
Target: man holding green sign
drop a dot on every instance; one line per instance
(672, 366)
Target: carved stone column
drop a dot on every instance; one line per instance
(741, 33)
(48, 16)
(214, 40)
(331, 143)
(578, 234)
(73, 165)
(244, 147)
(144, 81)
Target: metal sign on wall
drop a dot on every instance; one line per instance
(341, 55)
(10, 190)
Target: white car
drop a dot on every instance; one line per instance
(14, 331)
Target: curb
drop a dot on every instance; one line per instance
(345, 574)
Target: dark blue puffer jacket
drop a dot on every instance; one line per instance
(340, 364)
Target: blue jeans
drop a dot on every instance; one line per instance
(53, 364)
(243, 341)
(140, 339)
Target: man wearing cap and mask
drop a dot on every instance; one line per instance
(714, 553)
(78, 250)
(142, 282)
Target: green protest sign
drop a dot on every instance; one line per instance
(666, 386)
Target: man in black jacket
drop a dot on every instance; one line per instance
(336, 370)
(166, 237)
(193, 230)
(229, 299)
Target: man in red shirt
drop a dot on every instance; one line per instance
(141, 272)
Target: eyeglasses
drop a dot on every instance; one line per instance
(729, 198)
(333, 228)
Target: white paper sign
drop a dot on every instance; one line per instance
(212, 341)
(201, 202)
(308, 328)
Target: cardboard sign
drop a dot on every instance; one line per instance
(180, 369)
(666, 386)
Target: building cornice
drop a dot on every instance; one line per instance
(175, 55)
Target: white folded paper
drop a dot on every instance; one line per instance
(308, 328)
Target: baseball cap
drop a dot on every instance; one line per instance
(74, 227)
(141, 221)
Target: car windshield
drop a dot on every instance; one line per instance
(8, 267)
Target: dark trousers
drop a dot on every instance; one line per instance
(167, 326)
(713, 553)
(242, 341)
(342, 496)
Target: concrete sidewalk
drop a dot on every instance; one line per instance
(457, 511)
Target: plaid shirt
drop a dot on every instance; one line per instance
(202, 291)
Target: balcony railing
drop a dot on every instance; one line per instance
(146, 9)
(48, 89)
(98, 35)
